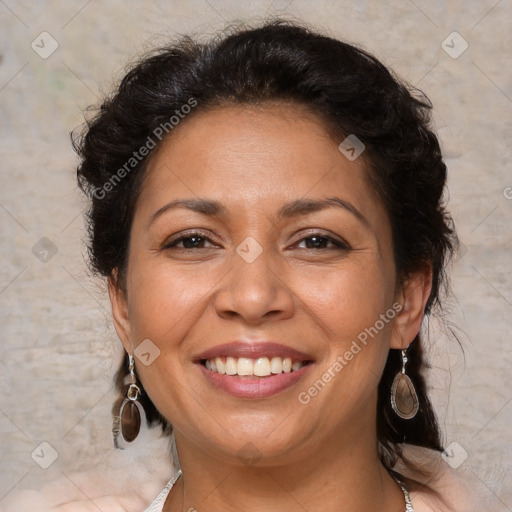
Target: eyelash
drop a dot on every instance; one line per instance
(338, 245)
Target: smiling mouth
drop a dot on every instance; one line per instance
(253, 367)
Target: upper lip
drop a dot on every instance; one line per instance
(253, 349)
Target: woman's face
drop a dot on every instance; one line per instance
(279, 240)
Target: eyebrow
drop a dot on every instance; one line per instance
(295, 208)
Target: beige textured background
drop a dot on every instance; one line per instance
(59, 350)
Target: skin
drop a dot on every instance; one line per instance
(318, 300)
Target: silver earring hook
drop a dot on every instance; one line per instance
(404, 360)
(134, 390)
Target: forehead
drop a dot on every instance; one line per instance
(264, 137)
(245, 155)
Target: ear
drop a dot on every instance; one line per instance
(412, 297)
(119, 304)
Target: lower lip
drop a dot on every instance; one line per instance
(254, 387)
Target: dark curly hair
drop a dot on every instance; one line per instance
(351, 91)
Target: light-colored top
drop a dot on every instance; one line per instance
(158, 503)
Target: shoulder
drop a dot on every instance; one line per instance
(445, 489)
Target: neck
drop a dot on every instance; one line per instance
(341, 477)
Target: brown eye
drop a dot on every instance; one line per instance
(194, 240)
(318, 241)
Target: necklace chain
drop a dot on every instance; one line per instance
(408, 504)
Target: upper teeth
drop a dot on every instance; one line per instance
(261, 366)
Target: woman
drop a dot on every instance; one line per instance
(267, 208)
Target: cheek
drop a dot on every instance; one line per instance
(163, 300)
(165, 305)
(354, 308)
(346, 299)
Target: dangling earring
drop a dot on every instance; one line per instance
(131, 416)
(404, 399)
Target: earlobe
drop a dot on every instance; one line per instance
(413, 298)
(119, 304)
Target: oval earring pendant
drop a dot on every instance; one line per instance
(131, 418)
(404, 399)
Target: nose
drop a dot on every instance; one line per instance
(255, 291)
